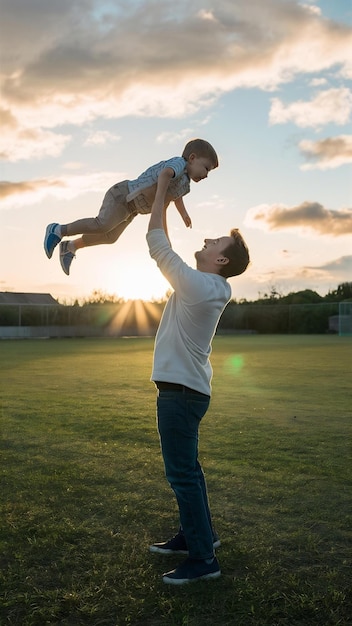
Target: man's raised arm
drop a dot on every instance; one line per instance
(158, 213)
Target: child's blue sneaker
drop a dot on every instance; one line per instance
(66, 257)
(50, 240)
(192, 570)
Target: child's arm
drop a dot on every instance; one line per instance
(183, 212)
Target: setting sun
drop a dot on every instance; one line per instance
(135, 284)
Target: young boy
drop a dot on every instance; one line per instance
(168, 181)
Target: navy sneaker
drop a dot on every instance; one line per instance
(177, 545)
(50, 240)
(191, 570)
(66, 257)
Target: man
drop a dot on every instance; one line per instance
(182, 373)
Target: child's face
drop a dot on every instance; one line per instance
(198, 167)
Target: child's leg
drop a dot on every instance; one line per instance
(114, 210)
(96, 239)
(108, 237)
(68, 249)
(115, 213)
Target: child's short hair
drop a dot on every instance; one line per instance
(201, 148)
(237, 254)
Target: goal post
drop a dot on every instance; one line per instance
(345, 319)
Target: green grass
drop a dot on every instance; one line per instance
(83, 490)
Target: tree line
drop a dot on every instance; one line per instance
(299, 312)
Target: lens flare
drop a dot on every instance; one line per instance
(234, 364)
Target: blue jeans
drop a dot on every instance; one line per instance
(179, 414)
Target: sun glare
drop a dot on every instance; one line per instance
(137, 284)
(140, 317)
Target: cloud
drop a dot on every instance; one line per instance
(341, 265)
(100, 138)
(288, 278)
(327, 153)
(10, 189)
(317, 82)
(183, 134)
(14, 194)
(168, 137)
(140, 58)
(332, 105)
(19, 142)
(312, 9)
(308, 216)
(333, 272)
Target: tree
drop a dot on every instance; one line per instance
(101, 297)
(342, 292)
(307, 296)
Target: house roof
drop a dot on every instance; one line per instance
(44, 299)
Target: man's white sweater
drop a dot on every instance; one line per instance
(188, 324)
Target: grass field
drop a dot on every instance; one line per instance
(84, 494)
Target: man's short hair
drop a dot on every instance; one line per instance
(237, 254)
(201, 148)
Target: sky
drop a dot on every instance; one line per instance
(95, 91)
